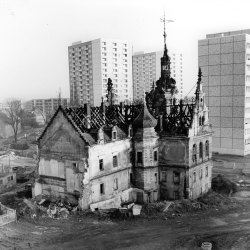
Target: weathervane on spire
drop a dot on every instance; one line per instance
(164, 34)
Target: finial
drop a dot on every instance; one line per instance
(164, 33)
(199, 75)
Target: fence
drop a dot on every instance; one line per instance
(8, 216)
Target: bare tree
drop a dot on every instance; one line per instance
(45, 114)
(11, 114)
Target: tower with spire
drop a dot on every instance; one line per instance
(146, 154)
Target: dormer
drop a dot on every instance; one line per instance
(100, 136)
(114, 133)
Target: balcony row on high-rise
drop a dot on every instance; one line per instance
(92, 63)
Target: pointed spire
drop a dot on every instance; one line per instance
(199, 84)
(145, 119)
(153, 85)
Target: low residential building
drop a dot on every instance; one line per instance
(102, 156)
(7, 177)
(46, 105)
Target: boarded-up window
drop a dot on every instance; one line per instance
(176, 195)
(176, 178)
(194, 153)
(115, 184)
(207, 148)
(194, 177)
(115, 161)
(164, 176)
(201, 150)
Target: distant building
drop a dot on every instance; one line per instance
(224, 59)
(92, 63)
(46, 105)
(7, 177)
(147, 69)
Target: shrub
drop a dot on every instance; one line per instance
(19, 146)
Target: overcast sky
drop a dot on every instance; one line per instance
(35, 35)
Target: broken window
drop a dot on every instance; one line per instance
(176, 178)
(115, 184)
(101, 164)
(102, 188)
(114, 135)
(201, 150)
(139, 157)
(207, 148)
(164, 176)
(206, 171)
(131, 178)
(156, 178)
(194, 177)
(130, 132)
(176, 195)
(74, 164)
(194, 153)
(115, 162)
(155, 156)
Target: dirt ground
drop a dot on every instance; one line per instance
(226, 226)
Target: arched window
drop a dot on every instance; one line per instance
(201, 150)
(207, 148)
(194, 153)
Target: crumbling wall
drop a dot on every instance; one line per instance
(114, 178)
(200, 186)
(173, 151)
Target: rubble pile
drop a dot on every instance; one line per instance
(44, 208)
(151, 209)
(222, 185)
(185, 205)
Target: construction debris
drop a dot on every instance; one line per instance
(221, 184)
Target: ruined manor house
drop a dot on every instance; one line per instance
(100, 157)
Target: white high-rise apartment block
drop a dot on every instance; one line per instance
(92, 63)
(147, 69)
(224, 59)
